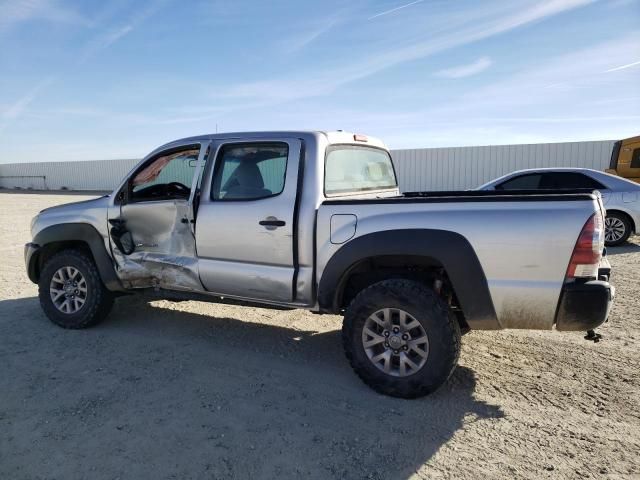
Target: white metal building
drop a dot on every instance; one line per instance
(453, 168)
(461, 168)
(88, 175)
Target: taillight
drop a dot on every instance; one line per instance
(587, 253)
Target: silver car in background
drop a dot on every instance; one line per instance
(621, 197)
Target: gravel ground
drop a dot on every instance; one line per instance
(196, 390)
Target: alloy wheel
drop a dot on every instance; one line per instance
(68, 290)
(614, 229)
(395, 342)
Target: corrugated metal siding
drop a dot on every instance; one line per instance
(455, 168)
(89, 175)
(461, 168)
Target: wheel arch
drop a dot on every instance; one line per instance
(423, 251)
(82, 236)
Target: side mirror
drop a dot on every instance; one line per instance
(125, 243)
(122, 237)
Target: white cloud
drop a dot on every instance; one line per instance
(116, 33)
(558, 99)
(19, 106)
(309, 35)
(622, 67)
(479, 25)
(461, 71)
(13, 12)
(32, 8)
(569, 79)
(386, 12)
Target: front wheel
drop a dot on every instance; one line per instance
(401, 339)
(71, 292)
(617, 229)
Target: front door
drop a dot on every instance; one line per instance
(152, 224)
(245, 223)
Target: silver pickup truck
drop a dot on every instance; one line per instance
(315, 220)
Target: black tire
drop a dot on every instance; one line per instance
(98, 301)
(430, 311)
(624, 222)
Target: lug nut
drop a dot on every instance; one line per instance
(386, 334)
(405, 336)
(405, 348)
(396, 329)
(395, 352)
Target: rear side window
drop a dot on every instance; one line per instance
(635, 158)
(355, 169)
(522, 182)
(568, 180)
(250, 171)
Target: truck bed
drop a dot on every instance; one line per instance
(522, 239)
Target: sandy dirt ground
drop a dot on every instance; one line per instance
(196, 390)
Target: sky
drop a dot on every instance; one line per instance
(115, 79)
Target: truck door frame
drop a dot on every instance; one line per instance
(267, 277)
(169, 260)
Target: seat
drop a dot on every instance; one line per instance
(246, 182)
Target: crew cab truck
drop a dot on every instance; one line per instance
(315, 220)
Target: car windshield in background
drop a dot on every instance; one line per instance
(354, 169)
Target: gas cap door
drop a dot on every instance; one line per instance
(343, 227)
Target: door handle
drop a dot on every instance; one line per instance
(272, 222)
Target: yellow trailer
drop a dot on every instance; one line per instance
(625, 159)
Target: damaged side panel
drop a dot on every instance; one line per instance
(164, 253)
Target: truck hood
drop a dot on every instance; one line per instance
(93, 212)
(76, 206)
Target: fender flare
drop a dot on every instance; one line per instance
(77, 232)
(449, 249)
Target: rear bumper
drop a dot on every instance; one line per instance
(30, 254)
(584, 306)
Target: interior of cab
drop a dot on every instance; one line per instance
(166, 177)
(249, 172)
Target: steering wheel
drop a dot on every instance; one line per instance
(178, 187)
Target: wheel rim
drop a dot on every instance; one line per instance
(68, 290)
(395, 342)
(614, 229)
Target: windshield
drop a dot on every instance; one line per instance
(354, 169)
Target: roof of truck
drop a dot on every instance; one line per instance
(333, 137)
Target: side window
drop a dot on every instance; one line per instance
(250, 171)
(167, 176)
(568, 181)
(635, 158)
(523, 182)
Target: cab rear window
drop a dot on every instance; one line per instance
(356, 169)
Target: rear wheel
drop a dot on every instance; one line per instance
(71, 292)
(617, 229)
(401, 338)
